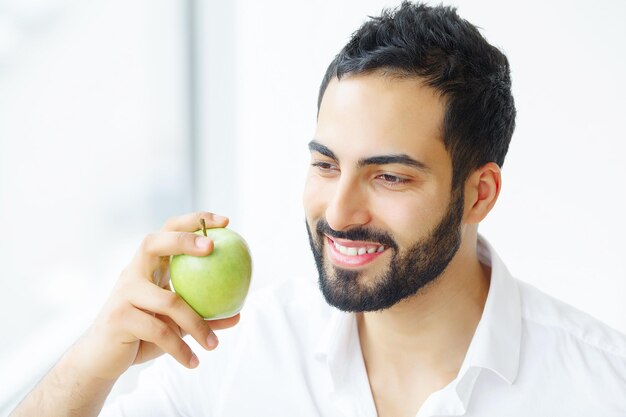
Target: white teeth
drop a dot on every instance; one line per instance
(354, 251)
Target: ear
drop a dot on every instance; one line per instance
(482, 188)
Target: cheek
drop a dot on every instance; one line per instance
(312, 198)
(409, 218)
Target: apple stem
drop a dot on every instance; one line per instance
(203, 224)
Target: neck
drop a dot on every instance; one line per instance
(430, 332)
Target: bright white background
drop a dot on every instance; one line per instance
(95, 146)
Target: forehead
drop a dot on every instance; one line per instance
(362, 115)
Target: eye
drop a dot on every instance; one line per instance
(324, 167)
(393, 180)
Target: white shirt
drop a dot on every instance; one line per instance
(293, 355)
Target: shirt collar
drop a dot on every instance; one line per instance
(496, 342)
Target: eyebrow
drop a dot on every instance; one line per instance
(315, 146)
(402, 159)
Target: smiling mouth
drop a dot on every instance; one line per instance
(353, 254)
(357, 250)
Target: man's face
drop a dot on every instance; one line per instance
(381, 217)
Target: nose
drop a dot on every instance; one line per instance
(348, 207)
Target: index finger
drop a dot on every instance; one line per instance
(191, 222)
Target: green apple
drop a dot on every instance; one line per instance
(215, 286)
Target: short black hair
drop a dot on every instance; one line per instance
(451, 56)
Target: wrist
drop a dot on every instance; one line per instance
(89, 361)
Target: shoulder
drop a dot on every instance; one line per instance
(540, 310)
(583, 359)
(575, 351)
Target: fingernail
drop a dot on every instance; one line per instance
(219, 218)
(194, 361)
(211, 341)
(202, 242)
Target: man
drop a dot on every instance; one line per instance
(415, 116)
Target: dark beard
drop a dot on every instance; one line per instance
(409, 271)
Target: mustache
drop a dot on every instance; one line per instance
(358, 233)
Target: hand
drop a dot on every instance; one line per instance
(143, 318)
